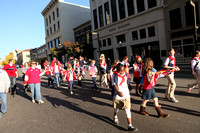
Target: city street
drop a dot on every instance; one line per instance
(87, 111)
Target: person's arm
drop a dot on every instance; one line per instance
(42, 73)
(16, 74)
(116, 87)
(152, 77)
(193, 63)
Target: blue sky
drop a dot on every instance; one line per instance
(22, 24)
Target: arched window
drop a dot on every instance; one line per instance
(57, 12)
(53, 16)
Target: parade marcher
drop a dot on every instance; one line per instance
(33, 77)
(74, 63)
(12, 73)
(149, 81)
(70, 76)
(127, 68)
(170, 63)
(82, 64)
(24, 69)
(112, 71)
(103, 67)
(121, 98)
(138, 73)
(49, 74)
(45, 63)
(53, 61)
(195, 66)
(56, 70)
(93, 74)
(79, 72)
(4, 87)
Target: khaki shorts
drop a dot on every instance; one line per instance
(122, 104)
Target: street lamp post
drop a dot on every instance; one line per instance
(195, 26)
(99, 44)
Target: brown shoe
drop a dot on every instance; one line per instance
(142, 111)
(160, 112)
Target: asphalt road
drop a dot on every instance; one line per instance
(87, 111)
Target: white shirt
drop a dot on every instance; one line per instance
(123, 88)
(71, 75)
(194, 62)
(56, 69)
(4, 81)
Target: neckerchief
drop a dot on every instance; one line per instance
(121, 76)
(173, 59)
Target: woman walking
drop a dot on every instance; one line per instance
(33, 77)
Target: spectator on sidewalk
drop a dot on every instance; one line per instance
(4, 87)
(12, 73)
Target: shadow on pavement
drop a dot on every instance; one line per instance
(59, 102)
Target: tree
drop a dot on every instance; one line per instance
(72, 48)
(8, 57)
(54, 52)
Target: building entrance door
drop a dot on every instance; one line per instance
(122, 53)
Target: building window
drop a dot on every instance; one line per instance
(121, 39)
(151, 31)
(53, 16)
(95, 19)
(152, 3)
(58, 24)
(47, 32)
(50, 45)
(104, 43)
(109, 41)
(57, 11)
(140, 5)
(54, 27)
(49, 19)
(175, 18)
(130, 4)
(107, 13)
(57, 42)
(135, 35)
(46, 21)
(114, 10)
(142, 33)
(121, 9)
(50, 30)
(101, 16)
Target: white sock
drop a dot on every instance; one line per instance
(130, 125)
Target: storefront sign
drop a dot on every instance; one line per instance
(119, 27)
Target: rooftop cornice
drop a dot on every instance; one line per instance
(49, 7)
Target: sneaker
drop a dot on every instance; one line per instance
(41, 102)
(174, 100)
(71, 92)
(116, 121)
(131, 128)
(33, 101)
